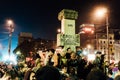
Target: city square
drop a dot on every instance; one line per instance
(60, 40)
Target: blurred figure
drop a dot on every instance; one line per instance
(106, 66)
(5, 77)
(110, 70)
(96, 74)
(49, 57)
(118, 73)
(48, 73)
(97, 62)
(79, 51)
(1, 73)
(72, 62)
(68, 53)
(117, 77)
(72, 74)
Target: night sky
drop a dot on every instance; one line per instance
(40, 17)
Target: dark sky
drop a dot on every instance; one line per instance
(40, 16)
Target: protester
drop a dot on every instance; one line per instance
(96, 74)
(117, 77)
(48, 73)
(118, 73)
(56, 66)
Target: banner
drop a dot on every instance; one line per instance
(69, 39)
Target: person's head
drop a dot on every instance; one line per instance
(52, 50)
(106, 63)
(117, 77)
(98, 54)
(96, 74)
(47, 73)
(68, 50)
(73, 55)
(72, 70)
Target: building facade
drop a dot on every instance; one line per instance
(102, 46)
(117, 50)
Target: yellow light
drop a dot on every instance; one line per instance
(59, 30)
(88, 46)
(9, 22)
(92, 31)
(100, 12)
(87, 29)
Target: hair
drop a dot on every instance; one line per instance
(98, 52)
(68, 48)
(1, 74)
(37, 56)
(52, 50)
(47, 73)
(117, 77)
(119, 65)
(96, 74)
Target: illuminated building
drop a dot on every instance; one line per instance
(102, 45)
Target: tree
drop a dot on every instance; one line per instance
(25, 48)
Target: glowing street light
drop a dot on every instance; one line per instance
(100, 12)
(88, 46)
(59, 30)
(10, 25)
(103, 12)
(9, 22)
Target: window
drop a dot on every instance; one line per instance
(104, 41)
(104, 47)
(111, 49)
(110, 38)
(110, 42)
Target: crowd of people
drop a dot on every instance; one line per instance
(64, 65)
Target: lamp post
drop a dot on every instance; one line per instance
(107, 25)
(11, 30)
(100, 12)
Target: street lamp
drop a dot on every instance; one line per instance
(100, 12)
(103, 12)
(88, 46)
(11, 30)
(59, 30)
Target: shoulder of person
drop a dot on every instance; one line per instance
(118, 73)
